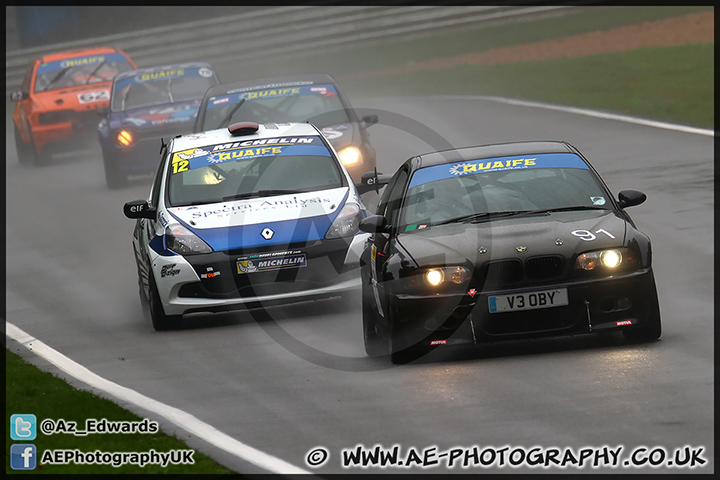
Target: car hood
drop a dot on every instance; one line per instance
(146, 118)
(340, 136)
(292, 218)
(498, 239)
(78, 97)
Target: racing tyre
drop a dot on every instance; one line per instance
(160, 320)
(374, 344)
(114, 178)
(407, 354)
(25, 153)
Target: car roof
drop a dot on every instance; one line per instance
(270, 82)
(159, 68)
(51, 57)
(493, 151)
(222, 135)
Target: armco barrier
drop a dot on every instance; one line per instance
(277, 31)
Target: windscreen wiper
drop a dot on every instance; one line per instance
(226, 120)
(570, 209)
(479, 217)
(260, 193)
(95, 70)
(57, 77)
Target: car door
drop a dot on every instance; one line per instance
(22, 107)
(145, 227)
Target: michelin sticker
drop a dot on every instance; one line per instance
(271, 261)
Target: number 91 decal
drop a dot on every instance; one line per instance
(589, 236)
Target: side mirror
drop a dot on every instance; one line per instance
(370, 120)
(139, 209)
(630, 198)
(374, 224)
(372, 181)
(18, 95)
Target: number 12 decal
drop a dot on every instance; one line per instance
(588, 236)
(181, 166)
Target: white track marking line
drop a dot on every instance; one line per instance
(589, 113)
(178, 417)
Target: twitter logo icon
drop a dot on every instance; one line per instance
(23, 426)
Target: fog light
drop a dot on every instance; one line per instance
(623, 303)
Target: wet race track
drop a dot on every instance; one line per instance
(292, 380)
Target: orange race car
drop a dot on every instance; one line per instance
(61, 97)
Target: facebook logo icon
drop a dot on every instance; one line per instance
(22, 457)
(23, 427)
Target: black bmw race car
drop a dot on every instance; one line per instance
(502, 242)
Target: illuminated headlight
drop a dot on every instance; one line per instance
(350, 156)
(607, 260)
(124, 138)
(438, 278)
(181, 240)
(346, 223)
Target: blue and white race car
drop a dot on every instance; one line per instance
(146, 105)
(245, 216)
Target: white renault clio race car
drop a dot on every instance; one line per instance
(245, 216)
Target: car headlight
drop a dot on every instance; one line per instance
(124, 138)
(438, 278)
(346, 223)
(181, 240)
(609, 260)
(350, 156)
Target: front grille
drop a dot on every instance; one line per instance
(513, 271)
(503, 272)
(543, 268)
(58, 116)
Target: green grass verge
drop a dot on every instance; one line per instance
(32, 391)
(669, 83)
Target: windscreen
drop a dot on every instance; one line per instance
(249, 169)
(161, 87)
(80, 71)
(518, 183)
(318, 104)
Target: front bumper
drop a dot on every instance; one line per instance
(213, 282)
(594, 305)
(143, 157)
(63, 136)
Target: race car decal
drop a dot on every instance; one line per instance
(89, 97)
(231, 227)
(233, 97)
(331, 133)
(257, 210)
(269, 85)
(164, 115)
(170, 73)
(81, 61)
(169, 270)
(588, 236)
(499, 164)
(271, 261)
(191, 159)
